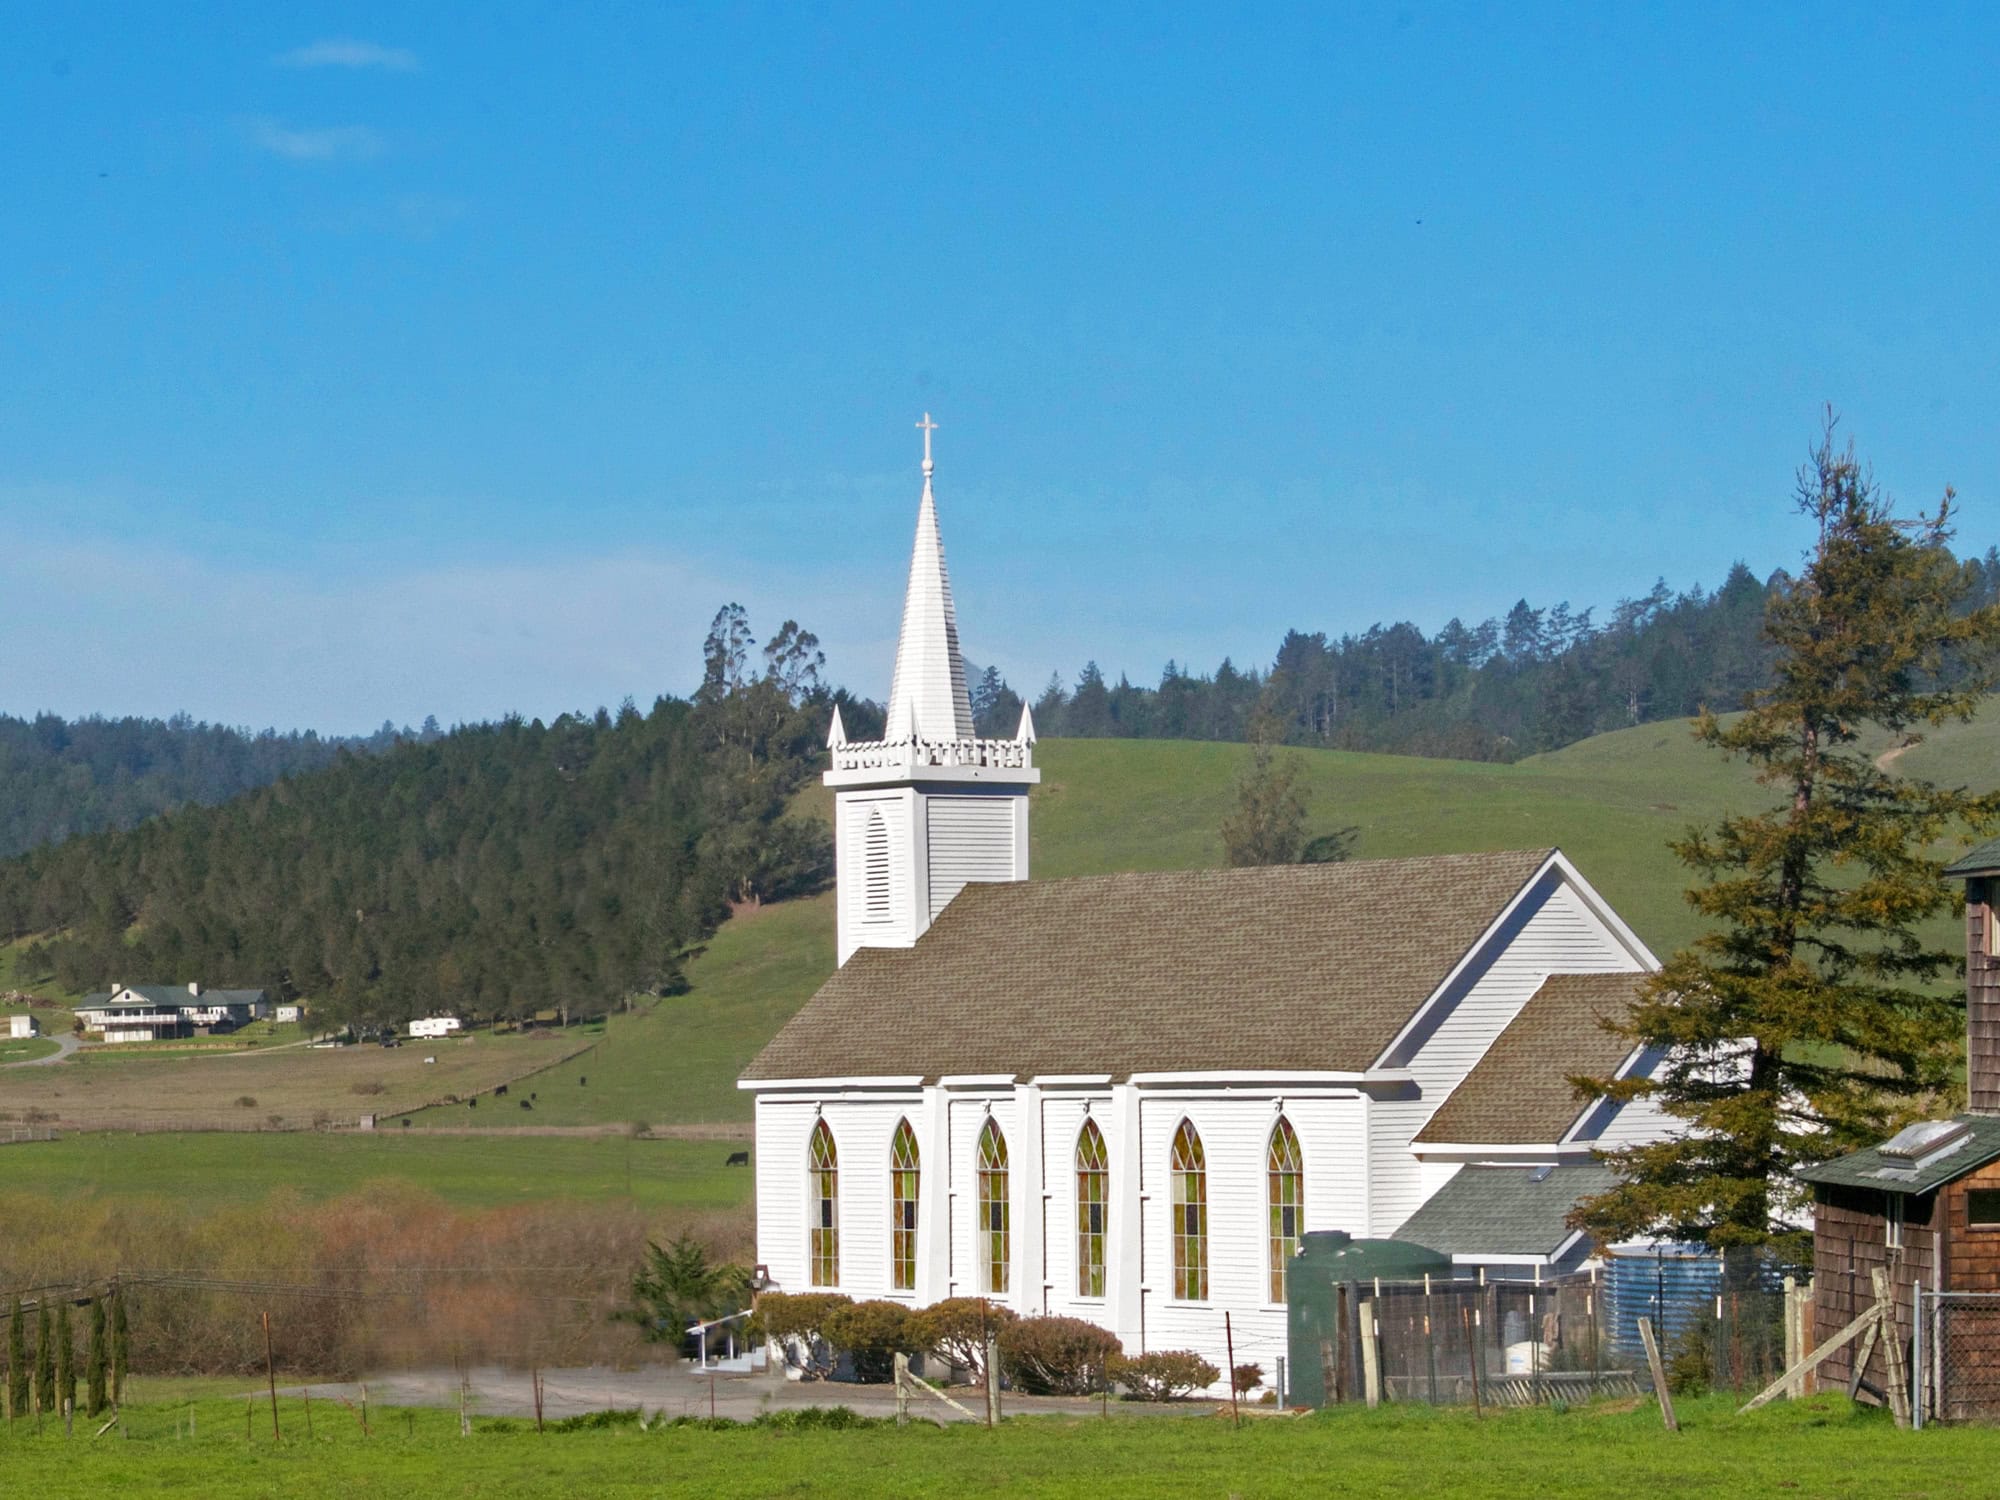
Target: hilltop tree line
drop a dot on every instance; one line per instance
(494, 871)
(1536, 680)
(65, 777)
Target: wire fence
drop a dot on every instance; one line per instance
(1957, 1349)
(1720, 1319)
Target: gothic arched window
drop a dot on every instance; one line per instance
(1286, 1172)
(1093, 1208)
(1189, 1169)
(994, 1224)
(903, 1184)
(875, 902)
(823, 1242)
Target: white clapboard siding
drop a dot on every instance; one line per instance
(1637, 1122)
(1235, 1135)
(1062, 1124)
(876, 904)
(783, 1129)
(971, 838)
(1553, 932)
(968, 1269)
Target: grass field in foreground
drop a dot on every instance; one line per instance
(472, 1170)
(1819, 1448)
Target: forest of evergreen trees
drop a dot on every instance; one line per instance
(1536, 680)
(495, 870)
(60, 778)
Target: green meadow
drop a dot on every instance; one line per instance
(473, 1171)
(1822, 1448)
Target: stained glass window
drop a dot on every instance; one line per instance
(994, 1224)
(903, 1198)
(823, 1249)
(1287, 1181)
(1093, 1207)
(1190, 1210)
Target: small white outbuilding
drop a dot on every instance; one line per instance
(435, 1026)
(24, 1025)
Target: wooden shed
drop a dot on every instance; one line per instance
(1924, 1206)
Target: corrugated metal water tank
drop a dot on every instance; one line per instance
(1328, 1260)
(1674, 1285)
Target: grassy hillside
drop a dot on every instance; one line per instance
(1107, 805)
(1611, 802)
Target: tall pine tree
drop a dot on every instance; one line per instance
(1811, 1018)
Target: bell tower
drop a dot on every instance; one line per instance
(930, 807)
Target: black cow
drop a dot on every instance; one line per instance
(499, 1091)
(738, 1159)
(526, 1104)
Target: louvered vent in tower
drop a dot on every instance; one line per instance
(875, 867)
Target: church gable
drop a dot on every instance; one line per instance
(1308, 968)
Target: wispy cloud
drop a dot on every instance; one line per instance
(344, 52)
(330, 143)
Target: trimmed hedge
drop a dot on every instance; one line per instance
(1055, 1356)
(1165, 1374)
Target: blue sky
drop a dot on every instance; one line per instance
(363, 362)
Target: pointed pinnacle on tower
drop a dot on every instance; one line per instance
(836, 733)
(927, 696)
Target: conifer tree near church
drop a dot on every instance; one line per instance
(1810, 1020)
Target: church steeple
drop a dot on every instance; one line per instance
(930, 807)
(927, 696)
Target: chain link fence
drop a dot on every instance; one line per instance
(1957, 1356)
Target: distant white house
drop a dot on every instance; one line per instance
(435, 1026)
(20, 1026)
(150, 1012)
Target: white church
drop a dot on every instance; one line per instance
(1124, 1098)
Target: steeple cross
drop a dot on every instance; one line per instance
(928, 427)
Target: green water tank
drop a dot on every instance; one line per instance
(1328, 1261)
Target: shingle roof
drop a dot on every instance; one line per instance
(1502, 1211)
(1299, 966)
(1981, 859)
(1871, 1169)
(1518, 1094)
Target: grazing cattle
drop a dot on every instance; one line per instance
(533, 1095)
(526, 1105)
(582, 1079)
(499, 1091)
(406, 1122)
(738, 1159)
(472, 1103)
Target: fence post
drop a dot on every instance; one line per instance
(1917, 1361)
(1791, 1331)
(1472, 1357)
(992, 1380)
(1371, 1358)
(902, 1389)
(1659, 1375)
(1229, 1345)
(271, 1375)
(1430, 1345)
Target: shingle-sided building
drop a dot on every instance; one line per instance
(1124, 1097)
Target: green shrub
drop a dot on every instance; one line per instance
(1691, 1364)
(871, 1334)
(1165, 1374)
(818, 1418)
(955, 1330)
(1056, 1356)
(800, 1317)
(597, 1421)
